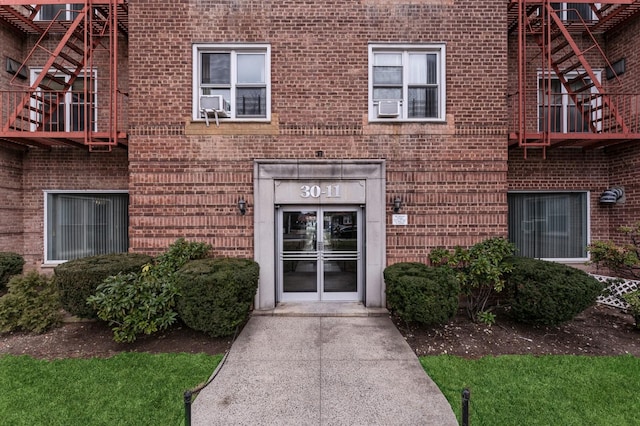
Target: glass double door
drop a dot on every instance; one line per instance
(319, 252)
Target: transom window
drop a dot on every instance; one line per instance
(240, 74)
(80, 224)
(549, 225)
(407, 82)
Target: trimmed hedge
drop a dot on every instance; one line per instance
(216, 294)
(78, 279)
(32, 304)
(549, 293)
(420, 293)
(10, 264)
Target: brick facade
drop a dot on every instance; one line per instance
(450, 176)
(11, 159)
(11, 211)
(184, 179)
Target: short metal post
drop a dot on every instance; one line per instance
(187, 408)
(466, 394)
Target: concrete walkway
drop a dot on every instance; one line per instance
(350, 368)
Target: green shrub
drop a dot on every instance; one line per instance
(10, 264)
(78, 279)
(633, 300)
(624, 259)
(32, 304)
(181, 252)
(481, 270)
(216, 294)
(137, 303)
(549, 293)
(420, 293)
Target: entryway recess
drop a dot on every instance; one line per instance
(319, 231)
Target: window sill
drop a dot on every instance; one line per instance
(394, 126)
(226, 127)
(407, 120)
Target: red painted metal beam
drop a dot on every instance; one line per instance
(30, 2)
(578, 1)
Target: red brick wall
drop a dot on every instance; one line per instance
(319, 53)
(451, 177)
(625, 160)
(624, 171)
(565, 170)
(11, 46)
(624, 43)
(11, 212)
(594, 171)
(11, 170)
(63, 169)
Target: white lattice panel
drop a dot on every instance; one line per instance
(616, 288)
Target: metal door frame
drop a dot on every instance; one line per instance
(320, 255)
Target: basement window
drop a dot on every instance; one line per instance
(549, 225)
(80, 224)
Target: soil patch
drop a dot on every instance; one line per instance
(600, 330)
(88, 339)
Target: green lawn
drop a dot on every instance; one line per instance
(128, 389)
(545, 390)
(143, 389)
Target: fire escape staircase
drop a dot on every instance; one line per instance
(34, 112)
(606, 115)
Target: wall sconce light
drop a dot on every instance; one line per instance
(612, 196)
(397, 204)
(242, 206)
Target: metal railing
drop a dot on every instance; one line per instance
(28, 112)
(604, 114)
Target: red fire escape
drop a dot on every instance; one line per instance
(65, 89)
(560, 98)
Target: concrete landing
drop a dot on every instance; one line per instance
(322, 309)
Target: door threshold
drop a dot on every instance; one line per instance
(322, 309)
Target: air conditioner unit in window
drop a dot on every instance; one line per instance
(388, 108)
(216, 105)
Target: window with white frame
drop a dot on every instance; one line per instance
(73, 109)
(237, 78)
(574, 11)
(59, 12)
(549, 225)
(407, 82)
(563, 112)
(80, 224)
